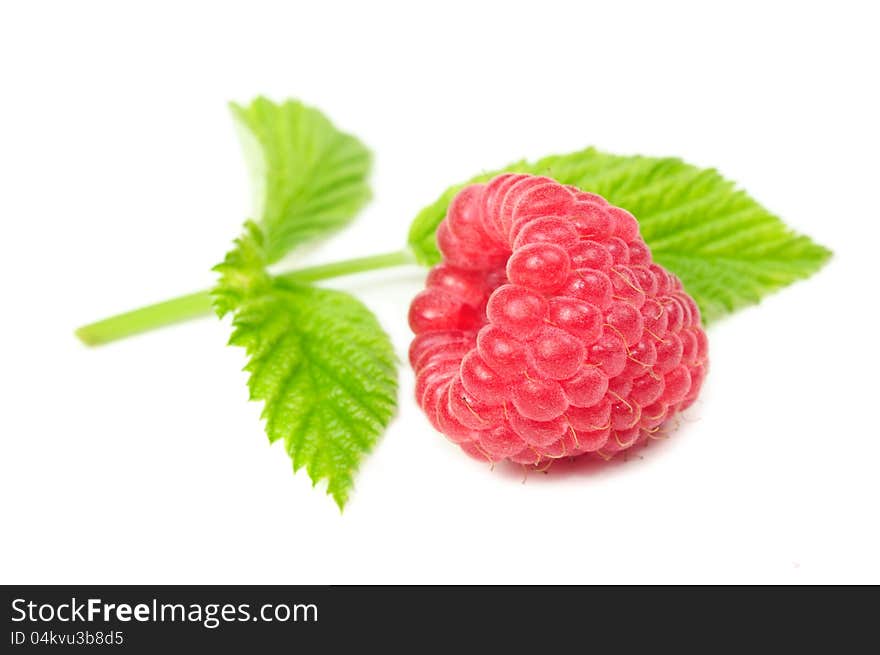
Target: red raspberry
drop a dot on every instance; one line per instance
(547, 331)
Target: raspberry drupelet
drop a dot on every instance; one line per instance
(547, 331)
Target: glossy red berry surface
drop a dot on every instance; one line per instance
(548, 331)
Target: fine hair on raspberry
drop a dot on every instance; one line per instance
(547, 331)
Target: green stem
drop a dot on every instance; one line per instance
(176, 310)
(199, 304)
(349, 266)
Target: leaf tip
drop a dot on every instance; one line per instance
(825, 254)
(340, 498)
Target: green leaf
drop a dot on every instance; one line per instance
(310, 179)
(727, 249)
(319, 360)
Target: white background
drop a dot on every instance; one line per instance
(121, 182)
